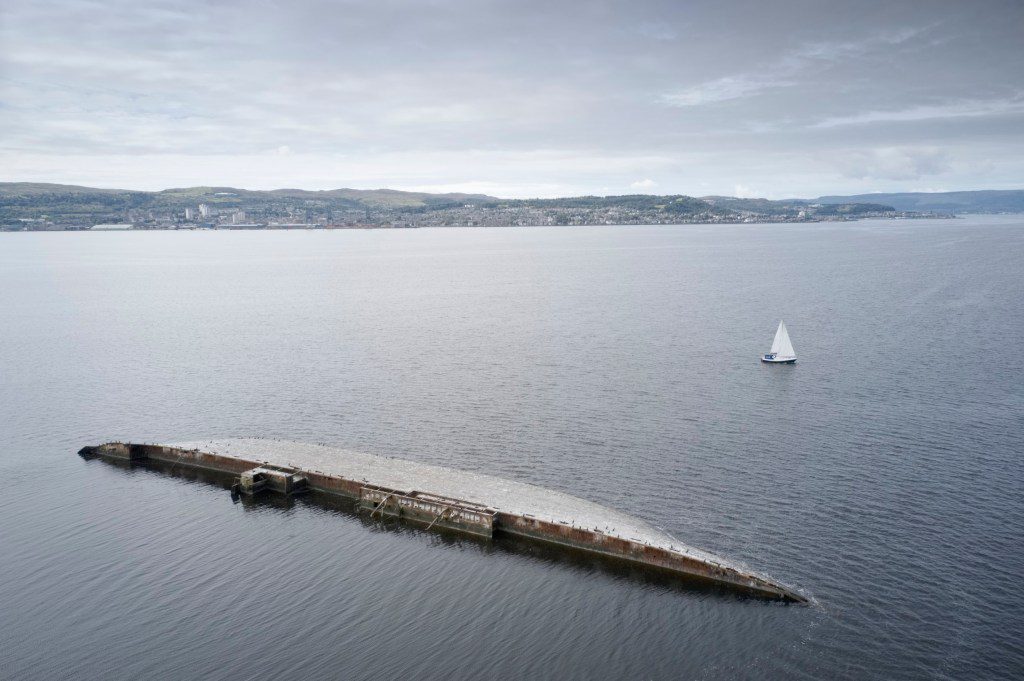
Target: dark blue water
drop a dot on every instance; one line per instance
(881, 474)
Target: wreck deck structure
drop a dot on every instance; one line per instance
(461, 501)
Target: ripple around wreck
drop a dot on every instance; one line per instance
(501, 494)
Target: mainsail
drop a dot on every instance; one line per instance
(781, 346)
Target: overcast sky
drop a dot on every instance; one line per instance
(776, 99)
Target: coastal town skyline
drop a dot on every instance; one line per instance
(52, 207)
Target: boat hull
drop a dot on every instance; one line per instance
(791, 360)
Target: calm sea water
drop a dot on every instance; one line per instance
(881, 474)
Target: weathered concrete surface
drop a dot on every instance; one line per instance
(514, 507)
(505, 495)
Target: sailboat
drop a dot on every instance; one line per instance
(782, 349)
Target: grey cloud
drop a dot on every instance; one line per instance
(894, 163)
(953, 109)
(698, 97)
(725, 89)
(805, 61)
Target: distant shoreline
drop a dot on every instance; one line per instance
(51, 207)
(312, 228)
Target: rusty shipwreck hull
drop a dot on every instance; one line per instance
(458, 515)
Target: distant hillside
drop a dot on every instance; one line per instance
(984, 201)
(42, 188)
(74, 206)
(192, 195)
(35, 206)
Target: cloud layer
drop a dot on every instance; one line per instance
(518, 99)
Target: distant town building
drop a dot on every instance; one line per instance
(111, 227)
(204, 210)
(238, 217)
(189, 215)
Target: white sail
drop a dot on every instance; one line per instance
(781, 346)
